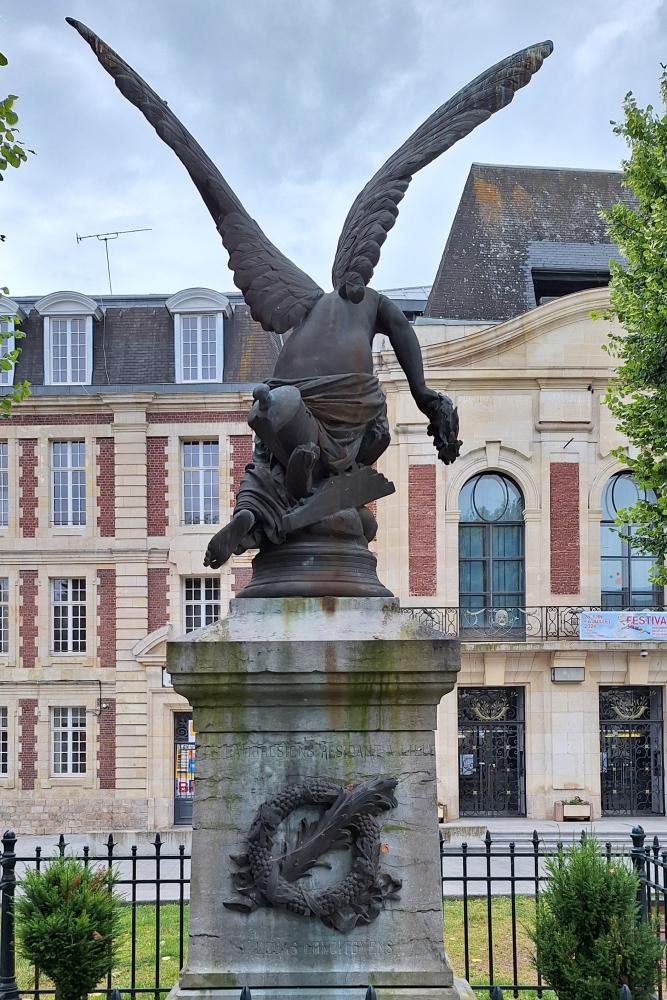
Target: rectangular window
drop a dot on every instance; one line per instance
(68, 351)
(68, 469)
(202, 601)
(201, 482)
(4, 484)
(68, 729)
(199, 348)
(69, 615)
(4, 741)
(6, 345)
(4, 614)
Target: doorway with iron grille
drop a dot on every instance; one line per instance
(491, 752)
(631, 756)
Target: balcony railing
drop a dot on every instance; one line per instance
(533, 624)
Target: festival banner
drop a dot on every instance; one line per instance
(623, 626)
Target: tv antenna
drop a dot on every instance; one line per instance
(104, 238)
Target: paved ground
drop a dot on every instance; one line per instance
(145, 869)
(495, 877)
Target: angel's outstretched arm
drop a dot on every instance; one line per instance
(403, 339)
(443, 420)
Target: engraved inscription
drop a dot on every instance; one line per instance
(309, 750)
(347, 948)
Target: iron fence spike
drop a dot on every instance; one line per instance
(371, 994)
(245, 994)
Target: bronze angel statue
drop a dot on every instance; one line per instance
(320, 422)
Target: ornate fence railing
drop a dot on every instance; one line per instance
(526, 624)
(489, 891)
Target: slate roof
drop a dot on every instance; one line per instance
(133, 344)
(511, 219)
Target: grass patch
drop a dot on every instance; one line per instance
(504, 942)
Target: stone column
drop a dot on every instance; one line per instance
(284, 691)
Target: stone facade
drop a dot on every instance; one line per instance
(529, 392)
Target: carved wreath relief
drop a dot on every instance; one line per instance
(266, 877)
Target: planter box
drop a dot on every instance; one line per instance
(578, 811)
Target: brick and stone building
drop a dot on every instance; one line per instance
(117, 469)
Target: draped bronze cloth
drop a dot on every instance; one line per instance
(346, 408)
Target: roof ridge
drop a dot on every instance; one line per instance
(527, 166)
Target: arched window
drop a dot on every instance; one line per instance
(491, 554)
(624, 571)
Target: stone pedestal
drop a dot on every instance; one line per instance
(283, 691)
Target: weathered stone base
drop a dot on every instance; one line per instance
(458, 991)
(290, 690)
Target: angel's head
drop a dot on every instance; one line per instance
(353, 289)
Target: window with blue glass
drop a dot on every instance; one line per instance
(491, 554)
(624, 571)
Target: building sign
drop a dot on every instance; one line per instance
(624, 626)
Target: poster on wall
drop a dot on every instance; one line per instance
(623, 626)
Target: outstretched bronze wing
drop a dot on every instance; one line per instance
(375, 209)
(278, 292)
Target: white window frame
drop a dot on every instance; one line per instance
(11, 315)
(69, 604)
(7, 345)
(199, 302)
(4, 614)
(180, 373)
(4, 741)
(68, 306)
(195, 607)
(4, 483)
(49, 375)
(69, 470)
(198, 474)
(66, 742)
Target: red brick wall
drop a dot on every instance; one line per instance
(106, 748)
(564, 503)
(28, 617)
(241, 578)
(106, 620)
(199, 416)
(158, 608)
(28, 487)
(28, 737)
(156, 485)
(241, 455)
(106, 492)
(422, 560)
(66, 419)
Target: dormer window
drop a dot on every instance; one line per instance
(10, 317)
(6, 347)
(68, 337)
(199, 333)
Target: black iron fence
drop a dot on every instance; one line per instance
(511, 624)
(489, 892)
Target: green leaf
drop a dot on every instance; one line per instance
(3, 60)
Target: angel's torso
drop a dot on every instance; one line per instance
(335, 338)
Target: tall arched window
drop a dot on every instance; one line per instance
(624, 571)
(491, 554)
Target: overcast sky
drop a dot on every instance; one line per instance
(298, 102)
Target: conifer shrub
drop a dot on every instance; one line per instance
(67, 922)
(587, 937)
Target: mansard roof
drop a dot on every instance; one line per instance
(133, 341)
(512, 219)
